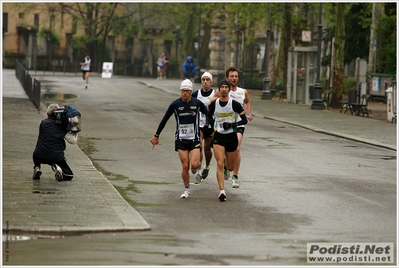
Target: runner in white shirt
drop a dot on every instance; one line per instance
(222, 115)
(86, 68)
(240, 95)
(205, 94)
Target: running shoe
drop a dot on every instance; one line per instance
(205, 173)
(185, 194)
(193, 171)
(36, 173)
(235, 182)
(57, 172)
(67, 177)
(198, 179)
(226, 174)
(222, 196)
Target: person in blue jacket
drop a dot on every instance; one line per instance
(189, 68)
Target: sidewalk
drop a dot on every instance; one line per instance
(362, 129)
(53, 207)
(88, 203)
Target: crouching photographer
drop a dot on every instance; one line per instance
(62, 123)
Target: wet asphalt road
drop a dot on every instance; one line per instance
(297, 187)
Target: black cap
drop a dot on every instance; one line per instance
(224, 82)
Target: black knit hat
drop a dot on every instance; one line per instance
(224, 82)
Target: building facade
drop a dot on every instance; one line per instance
(43, 39)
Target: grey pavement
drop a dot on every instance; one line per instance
(362, 129)
(90, 203)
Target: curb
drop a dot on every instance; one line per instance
(335, 134)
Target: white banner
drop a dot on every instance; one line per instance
(107, 70)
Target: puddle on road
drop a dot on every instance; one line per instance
(388, 158)
(38, 188)
(58, 96)
(382, 157)
(86, 144)
(44, 192)
(27, 237)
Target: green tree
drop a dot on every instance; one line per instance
(189, 29)
(372, 40)
(279, 22)
(357, 31)
(387, 37)
(98, 20)
(250, 19)
(287, 39)
(338, 56)
(172, 14)
(206, 19)
(144, 20)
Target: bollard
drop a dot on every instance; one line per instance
(390, 113)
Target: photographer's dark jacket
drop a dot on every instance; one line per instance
(50, 143)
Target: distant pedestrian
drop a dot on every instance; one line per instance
(187, 112)
(205, 94)
(86, 69)
(160, 65)
(189, 68)
(165, 65)
(50, 147)
(223, 114)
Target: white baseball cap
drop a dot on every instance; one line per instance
(207, 75)
(186, 84)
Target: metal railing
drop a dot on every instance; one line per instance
(31, 86)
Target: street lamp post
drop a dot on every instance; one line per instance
(266, 94)
(177, 41)
(198, 69)
(318, 103)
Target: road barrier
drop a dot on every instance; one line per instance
(31, 86)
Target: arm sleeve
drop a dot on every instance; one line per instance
(237, 107)
(243, 121)
(211, 111)
(164, 120)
